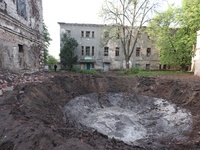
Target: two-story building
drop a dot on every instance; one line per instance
(21, 35)
(94, 51)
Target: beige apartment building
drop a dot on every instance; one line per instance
(21, 35)
(94, 52)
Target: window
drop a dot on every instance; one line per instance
(106, 51)
(137, 65)
(87, 33)
(21, 49)
(21, 8)
(82, 33)
(82, 50)
(148, 52)
(92, 50)
(138, 51)
(87, 50)
(147, 66)
(93, 34)
(117, 51)
(164, 67)
(92, 65)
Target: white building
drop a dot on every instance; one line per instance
(95, 52)
(197, 56)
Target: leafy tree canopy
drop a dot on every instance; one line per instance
(174, 32)
(51, 60)
(129, 16)
(68, 46)
(47, 40)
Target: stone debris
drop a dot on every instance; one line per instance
(9, 80)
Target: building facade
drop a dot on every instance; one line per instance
(95, 52)
(21, 35)
(196, 58)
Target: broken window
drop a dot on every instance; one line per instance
(82, 33)
(117, 51)
(87, 50)
(21, 49)
(106, 51)
(92, 50)
(148, 52)
(21, 8)
(138, 51)
(87, 33)
(82, 50)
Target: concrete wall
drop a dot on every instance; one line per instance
(99, 42)
(21, 35)
(197, 56)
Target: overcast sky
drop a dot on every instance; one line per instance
(69, 11)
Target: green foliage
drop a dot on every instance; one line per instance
(75, 69)
(47, 40)
(132, 71)
(67, 56)
(174, 32)
(152, 73)
(129, 16)
(51, 60)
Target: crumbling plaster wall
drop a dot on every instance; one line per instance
(21, 35)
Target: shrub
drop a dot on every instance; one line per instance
(132, 71)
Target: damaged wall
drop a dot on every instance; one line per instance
(21, 35)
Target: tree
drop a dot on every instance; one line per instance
(175, 33)
(129, 16)
(51, 60)
(47, 40)
(68, 45)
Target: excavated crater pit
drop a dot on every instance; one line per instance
(131, 118)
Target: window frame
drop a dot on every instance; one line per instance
(117, 51)
(92, 50)
(138, 50)
(87, 34)
(87, 50)
(82, 50)
(148, 52)
(106, 51)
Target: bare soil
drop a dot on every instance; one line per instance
(31, 115)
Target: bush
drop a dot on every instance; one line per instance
(76, 69)
(132, 71)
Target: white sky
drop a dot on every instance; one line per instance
(69, 11)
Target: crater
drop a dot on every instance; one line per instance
(131, 118)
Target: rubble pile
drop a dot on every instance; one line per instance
(9, 80)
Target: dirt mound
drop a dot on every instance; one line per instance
(31, 115)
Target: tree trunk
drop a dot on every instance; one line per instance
(127, 62)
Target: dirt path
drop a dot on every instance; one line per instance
(31, 115)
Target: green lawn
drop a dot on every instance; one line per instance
(133, 72)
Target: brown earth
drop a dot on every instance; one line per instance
(31, 115)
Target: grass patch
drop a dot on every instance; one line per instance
(85, 71)
(138, 72)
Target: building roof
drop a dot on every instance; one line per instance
(81, 24)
